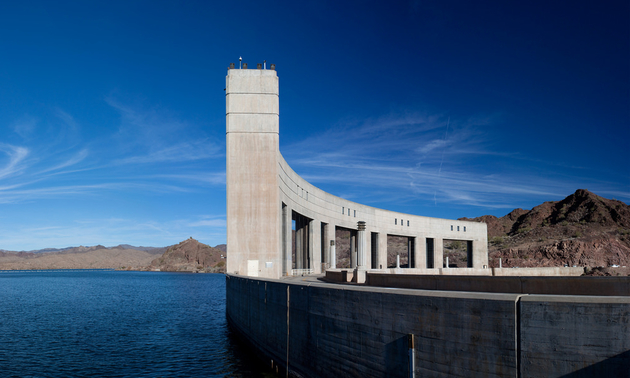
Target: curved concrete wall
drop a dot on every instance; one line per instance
(300, 196)
(327, 330)
(265, 196)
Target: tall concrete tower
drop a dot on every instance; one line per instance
(253, 198)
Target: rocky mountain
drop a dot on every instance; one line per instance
(583, 229)
(191, 256)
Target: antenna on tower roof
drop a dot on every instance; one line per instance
(240, 59)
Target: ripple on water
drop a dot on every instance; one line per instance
(118, 324)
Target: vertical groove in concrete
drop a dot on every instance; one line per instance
(288, 324)
(517, 334)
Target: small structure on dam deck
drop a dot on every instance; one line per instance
(279, 225)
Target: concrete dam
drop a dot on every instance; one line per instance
(306, 318)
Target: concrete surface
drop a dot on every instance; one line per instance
(600, 286)
(348, 330)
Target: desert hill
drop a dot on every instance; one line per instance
(583, 229)
(95, 257)
(191, 256)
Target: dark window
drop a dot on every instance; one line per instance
(395, 221)
(407, 223)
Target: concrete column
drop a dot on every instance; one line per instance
(370, 246)
(287, 241)
(410, 254)
(360, 271)
(470, 259)
(361, 243)
(353, 249)
(438, 252)
(421, 252)
(299, 260)
(333, 255)
(382, 251)
(305, 245)
(315, 230)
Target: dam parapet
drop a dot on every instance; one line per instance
(318, 329)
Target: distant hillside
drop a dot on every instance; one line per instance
(191, 256)
(81, 249)
(151, 250)
(96, 257)
(583, 229)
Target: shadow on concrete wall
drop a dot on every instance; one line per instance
(617, 366)
(397, 357)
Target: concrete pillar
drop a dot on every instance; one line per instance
(299, 260)
(287, 241)
(421, 252)
(470, 260)
(353, 249)
(325, 247)
(382, 251)
(315, 230)
(360, 271)
(361, 243)
(410, 254)
(438, 252)
(333, 255)
(305, 245)
(372, 249)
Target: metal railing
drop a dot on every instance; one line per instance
(301, 272)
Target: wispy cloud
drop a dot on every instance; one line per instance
(151, 150)
(75, 159)
(25, 126)
(181, 152)
(66, 118)
(16, 156)
(146, 126)
(416, 159)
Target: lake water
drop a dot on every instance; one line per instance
(118, 324)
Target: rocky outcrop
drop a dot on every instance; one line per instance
(190, 256)
(583, 229)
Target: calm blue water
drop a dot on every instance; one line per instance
(118, 324)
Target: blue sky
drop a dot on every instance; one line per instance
(112, 113)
